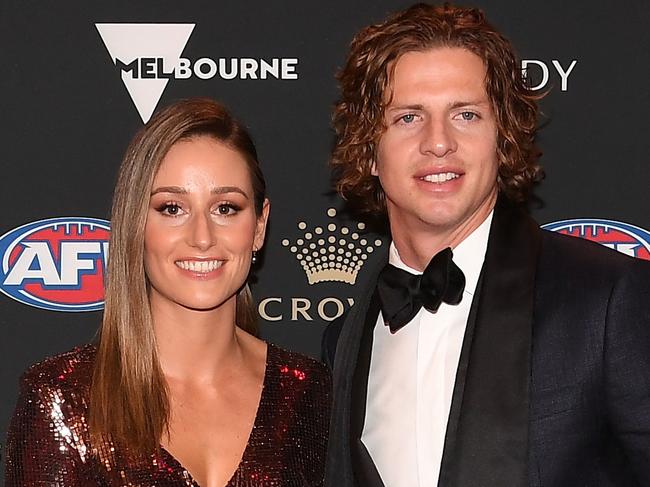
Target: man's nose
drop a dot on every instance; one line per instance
(438, 138)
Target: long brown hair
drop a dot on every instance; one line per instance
(366, 75)
(128, 398)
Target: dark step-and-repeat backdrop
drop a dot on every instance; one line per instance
(78, 79)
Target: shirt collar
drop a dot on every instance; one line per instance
(468, 255)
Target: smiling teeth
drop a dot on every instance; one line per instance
(202, 266)
(441, 177)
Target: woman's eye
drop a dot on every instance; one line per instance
(171, 209)
(227, 209)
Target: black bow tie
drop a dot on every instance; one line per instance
(402, 294)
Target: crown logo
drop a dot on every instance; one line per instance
(331, 252)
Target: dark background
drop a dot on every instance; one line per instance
(66, 119)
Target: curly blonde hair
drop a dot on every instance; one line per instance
(359, 113)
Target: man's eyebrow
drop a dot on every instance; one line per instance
(415, 106)
(452, 106)
(466, 103)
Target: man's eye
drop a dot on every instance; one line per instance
(408, 118)
(468, 115)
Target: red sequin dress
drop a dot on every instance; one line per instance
(48, 441)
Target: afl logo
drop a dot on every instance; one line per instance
(626, 238)
(56, 264)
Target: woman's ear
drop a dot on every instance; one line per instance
(260, 228)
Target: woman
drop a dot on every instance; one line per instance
(178, 391)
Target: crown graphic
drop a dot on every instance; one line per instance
(331, 252)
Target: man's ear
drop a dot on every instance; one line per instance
(373, 168)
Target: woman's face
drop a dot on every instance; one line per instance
(201, 226)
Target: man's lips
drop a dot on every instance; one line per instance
(439, 175)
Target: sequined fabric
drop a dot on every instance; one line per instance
(48, 441)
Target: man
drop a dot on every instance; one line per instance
(525, 360)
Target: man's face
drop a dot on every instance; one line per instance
(437, 160)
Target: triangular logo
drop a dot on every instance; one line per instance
(130, 42)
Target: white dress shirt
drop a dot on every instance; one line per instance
(412, 375)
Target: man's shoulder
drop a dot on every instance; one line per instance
(354, 314)
(577, 254)
(331, 338)
(584, 272)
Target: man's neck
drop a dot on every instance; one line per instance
(416, 246)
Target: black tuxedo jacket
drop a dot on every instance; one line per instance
(553, 382)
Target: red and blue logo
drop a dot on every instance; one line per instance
(627, 239)
(56, 264)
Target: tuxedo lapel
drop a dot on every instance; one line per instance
(365, 471)
(340, 470)
(487, 434)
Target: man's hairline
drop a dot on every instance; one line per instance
(390, 72)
